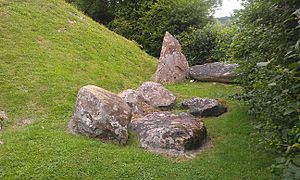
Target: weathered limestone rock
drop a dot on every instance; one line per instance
(3, 117)
(134, 100)
(173, 66)
(138, 106)
(165, 132)
(216, 72)
(101, 114)
(156, 95)
(204, 107)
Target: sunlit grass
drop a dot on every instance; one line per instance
(46, 57)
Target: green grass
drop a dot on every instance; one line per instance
(42, 69)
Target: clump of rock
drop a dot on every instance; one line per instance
(173, 66)
(3, 117)
(215, 72)
(168, 133)
(136, 102)
(101, 114)
(204, 107)
(156, 95)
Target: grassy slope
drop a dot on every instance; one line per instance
(46, 57)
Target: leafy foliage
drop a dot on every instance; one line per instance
(146, 21)
(267, 48)
(100, 10)
(209, 44)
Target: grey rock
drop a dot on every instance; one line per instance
(156, 95)
(204, 107)
(168, 133)
(173, 66)
(215, 72)
(101, 114)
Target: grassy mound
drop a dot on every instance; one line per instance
(48, 51)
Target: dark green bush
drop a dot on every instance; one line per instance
(267, 48)
(209, 44)
(147, 21)
(102, 11)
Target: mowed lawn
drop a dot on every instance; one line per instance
(48, 51)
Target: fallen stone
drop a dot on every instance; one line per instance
(1, 142)
(204, 107)
(101, 114)
(156, 95)
(215, 72)
(168, 133)
(173, 66)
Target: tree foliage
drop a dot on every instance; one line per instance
(267, 48)
(146, 21)
(102, 11)
(208, 44)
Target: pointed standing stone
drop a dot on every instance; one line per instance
(173, 66)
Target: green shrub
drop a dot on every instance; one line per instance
(100, 10)
(147, 21)
(209, 44)
(267, 48)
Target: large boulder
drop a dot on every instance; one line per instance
(156, 95)
(204, 107)
(101, 114)
(215, 72)
(173, 66)
(168, 133)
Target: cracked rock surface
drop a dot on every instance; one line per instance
(169, 133)
(134, 100)
(173, 66)
(101, 114)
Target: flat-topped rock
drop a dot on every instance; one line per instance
(156, 95)
(168, 133)
(138, 106)
(101, 114)
(204, 107)
(215, 72)
(173, 66)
